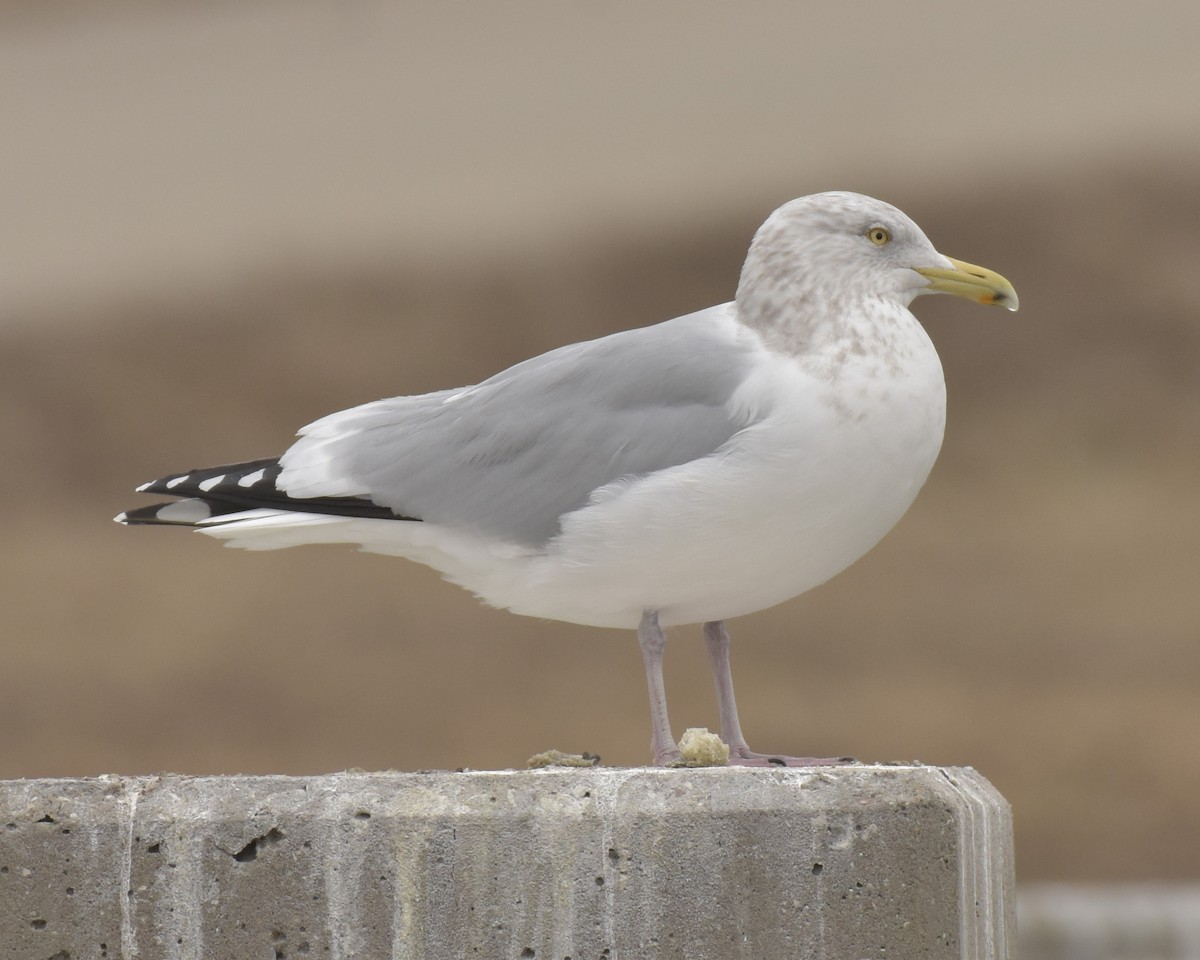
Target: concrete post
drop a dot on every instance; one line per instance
(845, 863)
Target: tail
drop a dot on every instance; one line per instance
(225, 494)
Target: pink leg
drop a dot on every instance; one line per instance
(716, 637)
(653, 640)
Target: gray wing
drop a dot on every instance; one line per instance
(510, 456)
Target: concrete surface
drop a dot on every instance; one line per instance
(1146, 921)
(865, 861)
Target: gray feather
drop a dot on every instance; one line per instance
(511, 456)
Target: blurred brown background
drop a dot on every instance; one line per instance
(220, 222)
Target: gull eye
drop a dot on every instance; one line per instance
(879, 235)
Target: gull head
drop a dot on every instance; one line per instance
(819, 254)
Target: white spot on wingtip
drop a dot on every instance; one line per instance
(143, 488)
(122, 516)
(211, 482)
(174, 482)
(251, 479)
(185, 511)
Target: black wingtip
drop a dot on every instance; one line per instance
(236, 488)
(233, 480)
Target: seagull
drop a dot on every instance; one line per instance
(688, 472)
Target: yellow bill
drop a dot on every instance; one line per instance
(975, 283)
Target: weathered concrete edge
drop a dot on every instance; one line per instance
(230, 813)
(986, 828)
